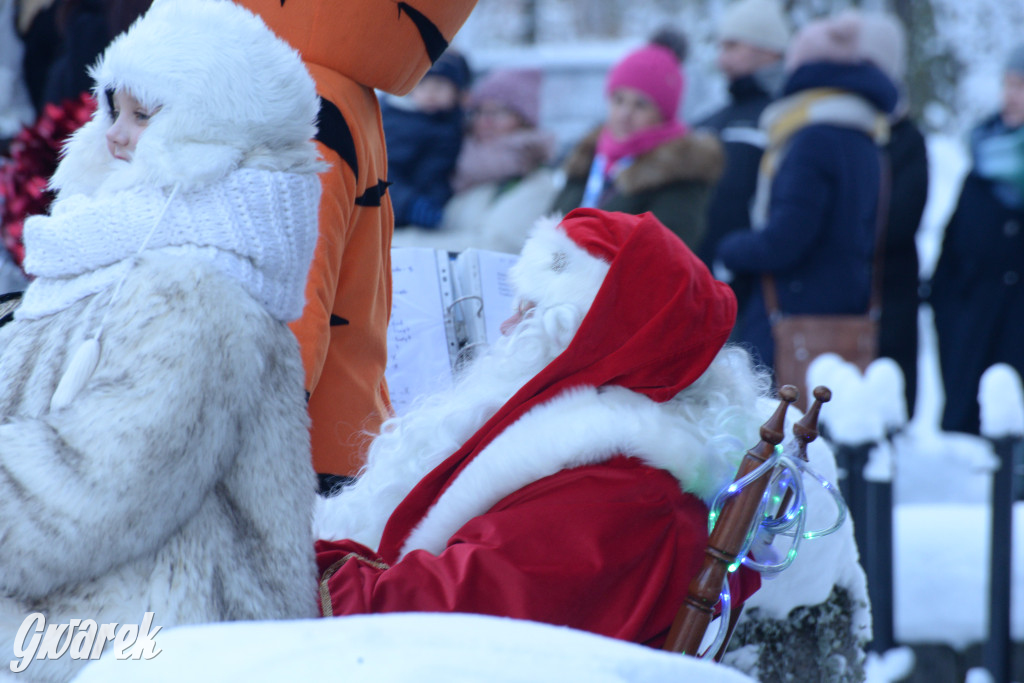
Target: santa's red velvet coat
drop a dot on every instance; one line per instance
(573, 505)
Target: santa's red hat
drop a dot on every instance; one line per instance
(655, 320)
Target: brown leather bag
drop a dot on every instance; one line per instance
(799, 339)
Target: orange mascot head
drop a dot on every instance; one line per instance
(381, 44)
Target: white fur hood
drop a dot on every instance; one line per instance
(231, 93)
(580, 427)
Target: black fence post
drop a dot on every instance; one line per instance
(879, 561)
(998, 648)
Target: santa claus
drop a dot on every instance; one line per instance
(565, 477)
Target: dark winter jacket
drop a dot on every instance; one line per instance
(908, 161)
(672, 181)
(57, 57)
(729, 206)
(978, 297)
(422, 150)
(819, 234)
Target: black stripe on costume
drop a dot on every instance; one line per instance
(433, 41)
(337, 320)
(334, 132)
(373, 194)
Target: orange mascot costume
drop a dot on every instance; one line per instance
(352, 47)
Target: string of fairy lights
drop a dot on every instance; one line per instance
(786, 470)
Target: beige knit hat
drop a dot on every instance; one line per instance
(760, 23)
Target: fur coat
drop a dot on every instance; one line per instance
(178, 481)
(175, 476)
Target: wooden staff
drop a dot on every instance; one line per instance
(728, 537)
(805, 431)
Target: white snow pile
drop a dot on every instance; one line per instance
(1002, 402)
(403, 647)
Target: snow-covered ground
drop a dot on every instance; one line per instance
(398, 648)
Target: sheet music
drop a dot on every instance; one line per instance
(419, 351)
(483, 273)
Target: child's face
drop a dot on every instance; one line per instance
(129, 118)
(434, 94)
(492, 120)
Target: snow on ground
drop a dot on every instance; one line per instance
(455, 648)
(941, 559)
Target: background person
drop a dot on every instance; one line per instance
(816, 210)
(424, 135)
(503, 181)
(752, 39)
(908, 192)
(643, 158)
(976, 290)
(154, 443)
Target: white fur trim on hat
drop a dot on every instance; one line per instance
(231, 94)
(552, 269)
(760, 23)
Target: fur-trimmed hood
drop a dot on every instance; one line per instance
(583, 426)
(231, 95)
(696, 156)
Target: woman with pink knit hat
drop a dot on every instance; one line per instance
(643, 158)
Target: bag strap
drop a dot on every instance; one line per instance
(771, 298)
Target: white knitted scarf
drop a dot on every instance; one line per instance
(257, 226)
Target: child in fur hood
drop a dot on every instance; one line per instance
(154, 444)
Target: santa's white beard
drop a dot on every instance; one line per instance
(436, 426)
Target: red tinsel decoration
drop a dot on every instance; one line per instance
(34, 154)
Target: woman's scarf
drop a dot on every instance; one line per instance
(614, 155)
(614, 150)
(782, 119)
(999, 157)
